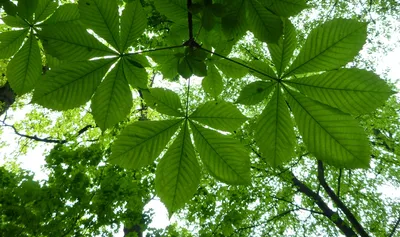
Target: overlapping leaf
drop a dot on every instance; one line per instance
(255, 92)
(164, 101)
(213, 84)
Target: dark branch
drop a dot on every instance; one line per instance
(332, 216)
(395, 227)
(338, 202)
(47, 140)
(190, 19)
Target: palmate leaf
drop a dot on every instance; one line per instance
(71, 42)
(232, 69)
(44, 9)
(282, 52)
(11, 41)
(26, 8)
(233, 23)
(354, 91)
(70, 85)
(224, 157)
(285, 8)
(164, 101)
(25, 67)
(330, 46)
(140, 143)
(135, 72)
(175, 10)
(15, 21)
(103, 18)
(255, 92)
(274, 131)
(212, 84)
(133, 23)
(265, 25)
(219, 115)
(267, 73)
(112, 100)
(66, 13)
(167, 61)
(178, 173)
(330, 134)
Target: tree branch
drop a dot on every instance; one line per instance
(190, 19)
(332, 216)
(339, 202)
(395, 227)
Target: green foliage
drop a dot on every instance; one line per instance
(98, 51)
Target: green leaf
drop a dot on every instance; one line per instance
(15, 21)
(168, 61)
(274, 131)
(219, 115)
(25, 67)
(164, 101)
(353, 91)
(285, 8)
(207, 19)
(266, 71)
(331, 135)
(135, 73)
(282, 52)
(140, 143)
(66, 13)
(330, 46)
(225, 158)
(103, 18)
(212, 84)
(265, 26)
(255, 92)
(71, 42)
(10, 42)
(133, 24)
(178, 173)
(26, 8)
(112, 101)
(70, 85)
(10, 8)
(173, 9)
(44, 9)
(234, 24)
(184, 68)
(232, 69)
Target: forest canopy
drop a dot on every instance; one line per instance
(243, 117)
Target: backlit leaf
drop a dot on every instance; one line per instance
(285, 8)
(140, 143)
(219, 115)
(265, 25)
(331, 135)
(25, 68)
(262, 70)
(164, 101)
(26, 8)
(232, 69)
(255, 92)
(71, 42)
(103, 18)
(70, 85)
(330, 46)
(133, 23)
(224, 157)
(135, 73)
(173, 9)
(212, 83)
(274, 131)
(44, 9)
(10, 42)
(178, 173)
(354, 91)
(282, 52)
(112, 100)
(66, 13)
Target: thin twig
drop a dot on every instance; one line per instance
(395, 227)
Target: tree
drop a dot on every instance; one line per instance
(312, 105)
